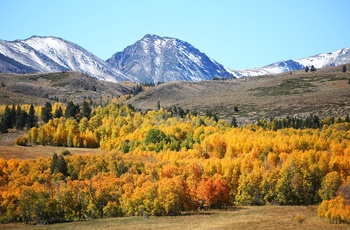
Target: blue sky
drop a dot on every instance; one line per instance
(237, 34)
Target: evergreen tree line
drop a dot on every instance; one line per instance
(180, 112)
(72, 111)
(137, 89)
(311, 121)
(17, 118)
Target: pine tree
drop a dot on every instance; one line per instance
(347, 118)
(13, 116)
(313, 69)
(46, 112)
(62, 165)
(54, 163)
(344, 69)
(21, 120)
(58, 165)
(58, 113)
(85, 110)
(7, 118)
(31, 118)
(306, 69)
(71, 110)
(234, 122)
(21, 117)
(3, 128)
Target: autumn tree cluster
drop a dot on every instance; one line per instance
(159, 163)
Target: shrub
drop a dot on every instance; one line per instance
(23, 141)
(66, 153)
(300, 218)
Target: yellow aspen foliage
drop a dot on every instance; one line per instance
(336, 211)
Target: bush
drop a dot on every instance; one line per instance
(66, 153)
(23, 141)
(300, 218)
(344, 69)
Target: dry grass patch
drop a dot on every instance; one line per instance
(32, 152)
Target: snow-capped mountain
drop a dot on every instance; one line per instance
(162, 59)
(51, 54)
(151, 59)
(338, 57)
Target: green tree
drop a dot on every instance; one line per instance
(71, 110)
(344, 69)
(155, 139)
(234, 122)
(7, 118)
(307, 69)
(13, 116)
(330, 185)
(21, 120)
(54, 163)
(58, 112)
(46, 112)
(3, 128)
(58, 165)
(31, 118)
(62, 165)
(312, 69)
(154, 136)
(85, 110)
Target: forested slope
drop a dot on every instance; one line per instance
(164, 162)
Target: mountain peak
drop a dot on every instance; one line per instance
(161, 59)
(154, 36)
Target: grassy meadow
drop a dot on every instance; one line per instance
(246, 217)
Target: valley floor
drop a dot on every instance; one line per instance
(247, 217)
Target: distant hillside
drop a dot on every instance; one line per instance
(38, 88)
(325, 92)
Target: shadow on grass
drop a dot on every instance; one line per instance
(212, 211)
(197, 214)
